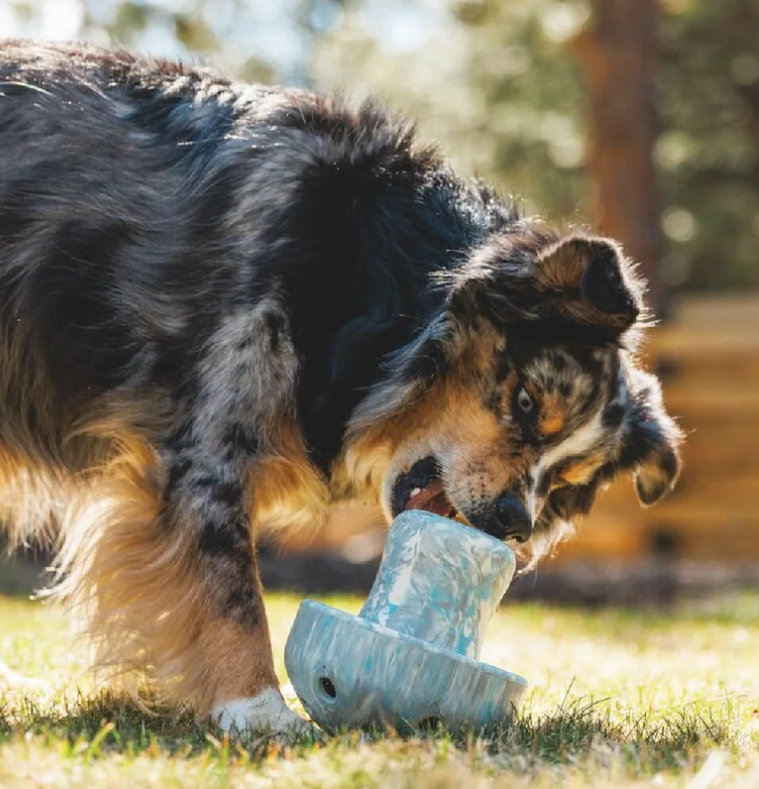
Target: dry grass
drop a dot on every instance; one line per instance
(619, 698)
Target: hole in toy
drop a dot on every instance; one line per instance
(429, 724)
(327, 687)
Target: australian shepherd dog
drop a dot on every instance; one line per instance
(224, 307)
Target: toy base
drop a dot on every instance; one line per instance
(352, 673)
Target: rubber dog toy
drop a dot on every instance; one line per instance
(409, 659)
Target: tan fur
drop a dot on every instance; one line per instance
(552, 415)
(580, 473)
(31, 501)
(288, 492)
(561, 267)
(365, 459)
(474, 438)
(136, 586)
(238, 660)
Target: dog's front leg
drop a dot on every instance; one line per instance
(245, 380)
(208, 497)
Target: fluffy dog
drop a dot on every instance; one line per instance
(224, 306)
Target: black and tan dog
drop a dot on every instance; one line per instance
(223, 307)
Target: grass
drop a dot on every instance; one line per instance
(618, 699)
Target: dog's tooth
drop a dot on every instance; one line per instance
(414, 491)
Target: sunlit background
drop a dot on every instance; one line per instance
(637, 117)
(503, 84)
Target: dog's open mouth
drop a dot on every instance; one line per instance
(421, 488)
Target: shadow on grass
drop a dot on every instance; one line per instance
(108, 723)
(653, 739)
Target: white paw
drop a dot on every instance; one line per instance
(265, 713)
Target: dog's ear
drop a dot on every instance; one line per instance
(580, 288)
(657, 474)
(659, 468)
(593, 280)
(651, 441)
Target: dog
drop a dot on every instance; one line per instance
(224, 307)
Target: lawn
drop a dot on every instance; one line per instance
(618, 698)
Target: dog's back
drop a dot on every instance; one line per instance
(124, 185)
(92, 210)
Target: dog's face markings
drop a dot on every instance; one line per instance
(544, 438)
(541, 404)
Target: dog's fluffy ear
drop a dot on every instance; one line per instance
(580, 288)
(650, 446)
(597, 283)
(657, 475)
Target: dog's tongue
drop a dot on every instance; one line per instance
(432, 499)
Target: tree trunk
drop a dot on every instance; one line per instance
(618, 51)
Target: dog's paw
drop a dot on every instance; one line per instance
(264, 714)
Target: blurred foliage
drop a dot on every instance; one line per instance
(708, 152)
(494, 82)
(497, 82)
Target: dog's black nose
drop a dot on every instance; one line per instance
(510, 519)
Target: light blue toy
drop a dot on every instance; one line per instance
(409, 659)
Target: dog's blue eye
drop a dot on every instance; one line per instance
(524, 401)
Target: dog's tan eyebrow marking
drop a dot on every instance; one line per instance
(552, 417)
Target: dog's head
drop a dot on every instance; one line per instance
(521, 397)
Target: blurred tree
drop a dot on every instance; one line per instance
(708, 153)
(618, 49)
